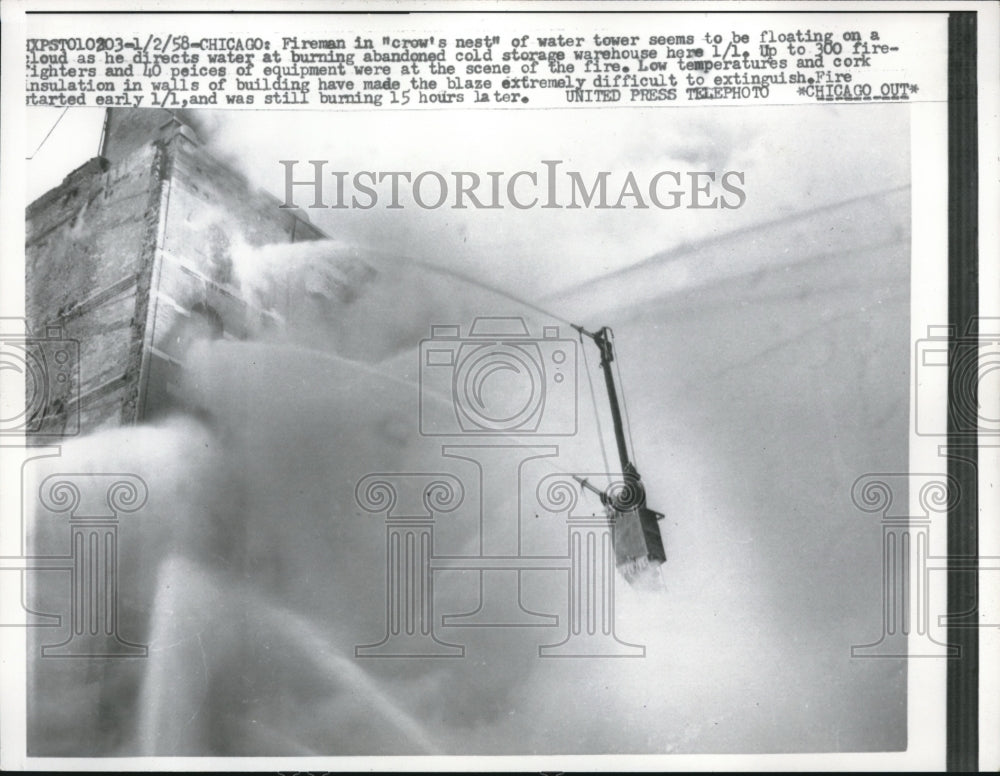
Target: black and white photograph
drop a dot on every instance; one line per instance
(557, 388)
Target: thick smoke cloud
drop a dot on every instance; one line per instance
(252, 573)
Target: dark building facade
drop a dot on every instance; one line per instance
(131, 257)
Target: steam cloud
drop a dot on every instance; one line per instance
(252, 574)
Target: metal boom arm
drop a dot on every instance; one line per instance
(603, 339)
(637, 536)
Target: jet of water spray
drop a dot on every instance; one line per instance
(491, 288)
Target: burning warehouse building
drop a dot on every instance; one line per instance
(257, 583)
(130, 260)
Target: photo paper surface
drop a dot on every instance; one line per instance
(565, 386)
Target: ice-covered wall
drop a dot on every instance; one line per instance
(89, 251)
(137, 253)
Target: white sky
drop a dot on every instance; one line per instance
(831, 153)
